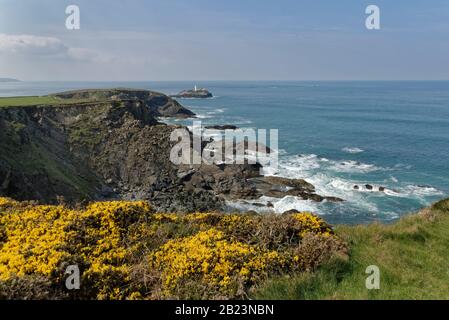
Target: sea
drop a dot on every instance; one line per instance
(335, 135)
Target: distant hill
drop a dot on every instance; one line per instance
(8, 80)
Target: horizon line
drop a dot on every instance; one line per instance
(238, 80)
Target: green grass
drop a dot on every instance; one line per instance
(36, 100)
(26, 101)
(412, 254)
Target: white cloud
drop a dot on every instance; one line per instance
(29, 44)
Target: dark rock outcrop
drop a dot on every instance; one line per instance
(278, 187)
(369, 187)
(222, 127)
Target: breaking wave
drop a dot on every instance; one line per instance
(352, 150)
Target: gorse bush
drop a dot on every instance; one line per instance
(124, 250)
(220, 263)
(43, 240)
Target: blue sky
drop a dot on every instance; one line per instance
(224, 40)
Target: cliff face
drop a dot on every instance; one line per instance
(94, 150)
(113, 147)
(34, 159)
(83, 151)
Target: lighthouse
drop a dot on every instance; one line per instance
(195, 89)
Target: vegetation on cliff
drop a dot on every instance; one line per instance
(127, 251)
(27, 101)
(412, 255)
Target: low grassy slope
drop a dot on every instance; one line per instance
(64, 98)
(35, 100)
(412, 254)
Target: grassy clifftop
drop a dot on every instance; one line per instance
(49, 100)
(412, 255)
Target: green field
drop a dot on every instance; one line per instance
(412, 255)
(36, 100)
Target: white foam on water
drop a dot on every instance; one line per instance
(299, 165)
(203, 116)
(282, 152)
(242, 205)
(321, 172)
(352, 150)
(215, 111)
(290, 203)
(415, 191)
(394, 179)
(403, 166)
(324, 175)
(354, 166)
(278, 205)
(240, 122)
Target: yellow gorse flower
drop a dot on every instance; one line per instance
(209, 255)
(312, 224)
(41, 238)
(109, 240)
(35, 241)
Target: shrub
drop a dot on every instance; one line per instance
(216, 261)
(126, 251)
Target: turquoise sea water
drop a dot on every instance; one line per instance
(333, 134)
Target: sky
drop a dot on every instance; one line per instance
(137, 40)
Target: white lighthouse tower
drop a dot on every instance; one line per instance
(195, 89)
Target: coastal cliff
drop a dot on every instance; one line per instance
(84, 151)
(108, 144)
